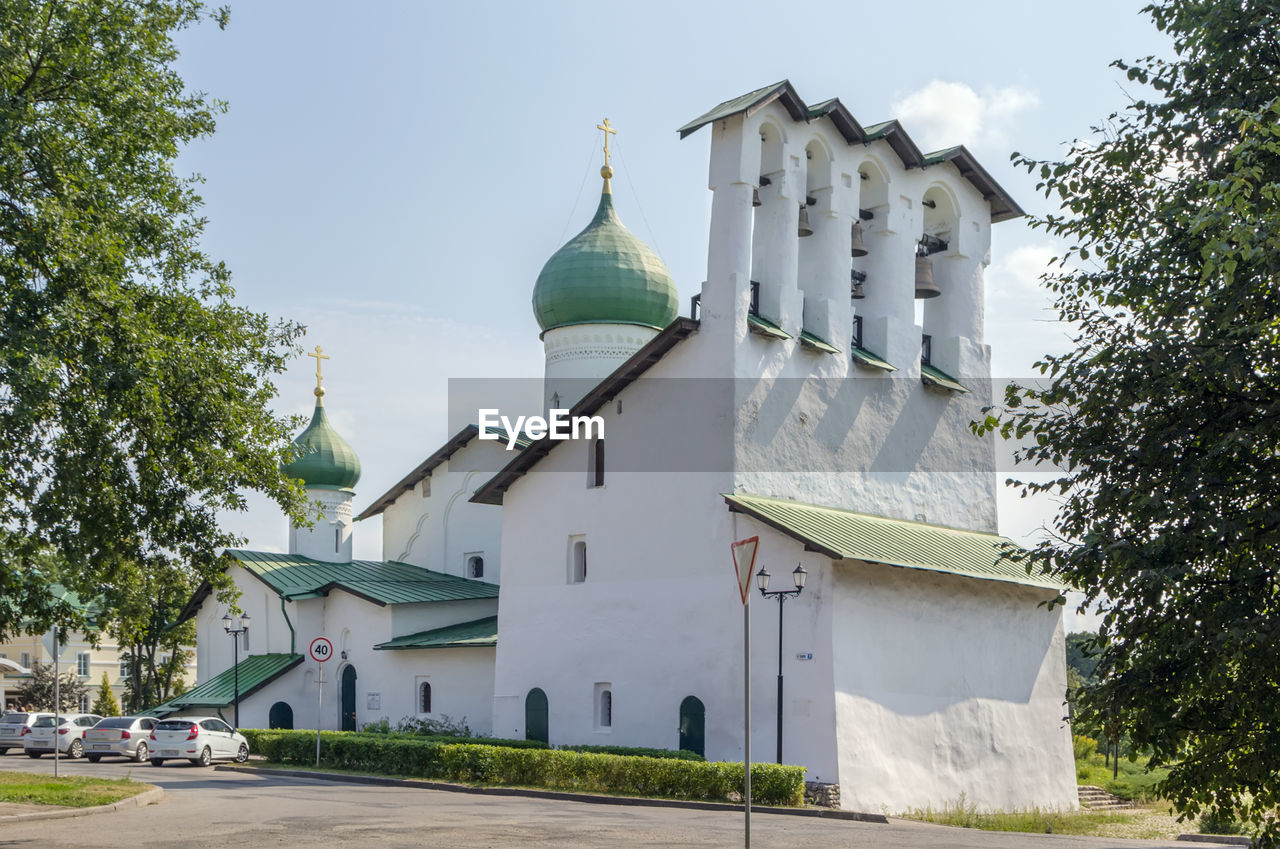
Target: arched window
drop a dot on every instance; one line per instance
(535, 716)
(579, 561)
(475, 566)
(595, 476)
(693, 720)
(280, 716)
(424, 697)
(606, 708)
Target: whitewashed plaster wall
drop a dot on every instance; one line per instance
(659, 617)
(581, 355)
(813, 426)
(440, 531)
(412, 618)
(947, 686)
(354, 626)
(461, 689)
(329, 537)
(268, 628)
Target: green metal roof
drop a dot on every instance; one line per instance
(381, 581)
(765, 327)
(321, 457)
(937, 377)
(605, 275)
(810, 340)
(255, 672)
(479, 633)
(863, 357)
(845, 535)
(750, 103)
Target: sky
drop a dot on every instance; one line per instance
(393, 175)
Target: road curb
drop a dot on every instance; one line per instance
(147, 797)
(590, 798)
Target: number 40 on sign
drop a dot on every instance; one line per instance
(321, 649)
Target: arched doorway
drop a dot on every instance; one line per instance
(280, 716)
(348, 700)
(535, 716)
(693, 724)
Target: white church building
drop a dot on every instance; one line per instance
(582, 591)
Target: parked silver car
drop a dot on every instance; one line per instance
(123, 736)
(13, 727)
(41, 737)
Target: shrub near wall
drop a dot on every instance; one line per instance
(555, 769)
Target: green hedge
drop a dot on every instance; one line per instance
(638, 751)
(556, 769)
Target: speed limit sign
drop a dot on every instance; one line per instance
(321, 649)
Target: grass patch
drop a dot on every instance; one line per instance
(26, 788)
(1134, 781)
(1148, 823)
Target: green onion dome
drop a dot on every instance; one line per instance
(605, 275)
(322, 458)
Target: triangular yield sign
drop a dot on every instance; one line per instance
(744, 561)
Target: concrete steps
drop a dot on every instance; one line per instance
(1097, 799)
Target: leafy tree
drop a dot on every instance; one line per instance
(1164, 419)
(1080, 655)
(134, 391)
(106, 704)
(37, 692)
(150, 601)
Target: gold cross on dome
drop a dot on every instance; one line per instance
(608, 131)
(319, 355)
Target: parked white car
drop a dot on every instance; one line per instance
(13, 727)
(41, 737)
(199, 739)
(125, 736)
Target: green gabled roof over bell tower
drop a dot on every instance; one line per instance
(321, 457)
(605, 275)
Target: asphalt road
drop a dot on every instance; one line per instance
(204, 808)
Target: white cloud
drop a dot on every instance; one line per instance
(1017, 273)
(943, 114)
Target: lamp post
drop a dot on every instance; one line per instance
(762, 581)
(230, 626)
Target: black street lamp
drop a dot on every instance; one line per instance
(229, 625)
(762, 581)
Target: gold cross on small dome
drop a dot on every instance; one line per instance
(319, 355)
(606, 170)
(608, 131)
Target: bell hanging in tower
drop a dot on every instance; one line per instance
(859, 247)
(804, 229)
(925, 287)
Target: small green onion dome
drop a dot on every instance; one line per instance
(322, 458)
(605, 275)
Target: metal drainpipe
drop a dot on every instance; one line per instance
(293, 635)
